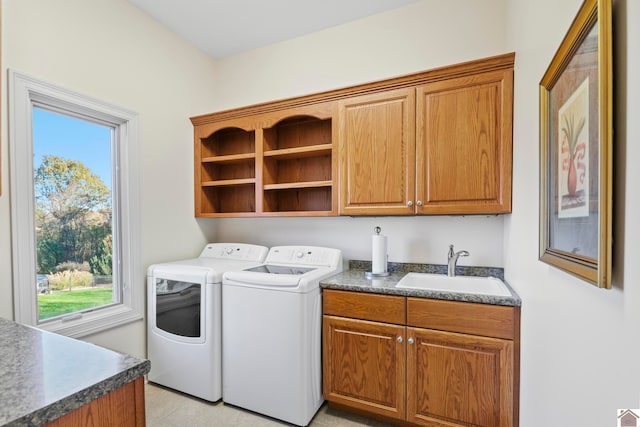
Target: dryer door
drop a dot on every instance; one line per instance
(177, 304)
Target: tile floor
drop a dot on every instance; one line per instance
(169, 408)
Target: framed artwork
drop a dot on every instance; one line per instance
(576, 137)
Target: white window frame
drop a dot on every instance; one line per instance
(25, 92)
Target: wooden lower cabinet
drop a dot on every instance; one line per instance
(123, 407)
(419, 375)
(365, 368)
(458, 380)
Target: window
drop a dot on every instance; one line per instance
(73, 188)
(75, 225)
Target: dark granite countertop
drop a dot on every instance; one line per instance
(354, 280)
(46, 375)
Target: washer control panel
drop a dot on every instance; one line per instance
(235, 251)
(304, 255)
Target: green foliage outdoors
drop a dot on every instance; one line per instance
(102, 260)
(71, 266)
(69, 279)
(73, 217)
(65, 302)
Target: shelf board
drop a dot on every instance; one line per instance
(299, 213)
(225, 214)
(298, 185)
(230, 158)
(229, 182)
(297, 152)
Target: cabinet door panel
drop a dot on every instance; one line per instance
(364, 365)
(457, 379)
(464, 144)
(377, 153)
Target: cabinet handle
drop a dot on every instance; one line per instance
(410, 340)
(419, 203)
(400, 339)
(409, 203)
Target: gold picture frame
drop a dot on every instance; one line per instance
(576, 138)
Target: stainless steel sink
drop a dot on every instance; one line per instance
(462, 284)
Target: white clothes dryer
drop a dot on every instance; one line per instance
(272, 329)
(184, 315)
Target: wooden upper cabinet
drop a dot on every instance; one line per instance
(438, 145)
(435, 142)
(464, 140)
(377, 153)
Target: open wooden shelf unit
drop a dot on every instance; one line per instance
(274, 165)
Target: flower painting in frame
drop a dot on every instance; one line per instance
(576, 138)
(573, 155)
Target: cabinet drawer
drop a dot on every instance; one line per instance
(469, 318)
(366, 306)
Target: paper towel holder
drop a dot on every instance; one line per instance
(371, 275)
(385, 273)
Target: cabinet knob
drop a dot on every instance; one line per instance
(410, 340)
(419, 203)
(409, 203)
(400, 339)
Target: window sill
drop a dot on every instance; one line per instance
(93, 322)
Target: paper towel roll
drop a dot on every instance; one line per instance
(379, 254)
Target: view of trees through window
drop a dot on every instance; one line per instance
(73, 214)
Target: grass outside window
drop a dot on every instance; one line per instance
(65, 302)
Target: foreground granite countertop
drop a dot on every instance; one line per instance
(354, 280)
(46, 375)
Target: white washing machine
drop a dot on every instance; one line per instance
(184, 315)
(272, 333)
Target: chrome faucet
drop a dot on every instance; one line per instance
(452, 259)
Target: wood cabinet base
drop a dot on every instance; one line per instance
(417, 361)
(367, 414)
(122, 407)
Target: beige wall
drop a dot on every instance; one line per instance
(580, 345)
(109, 50)
(419, 36)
